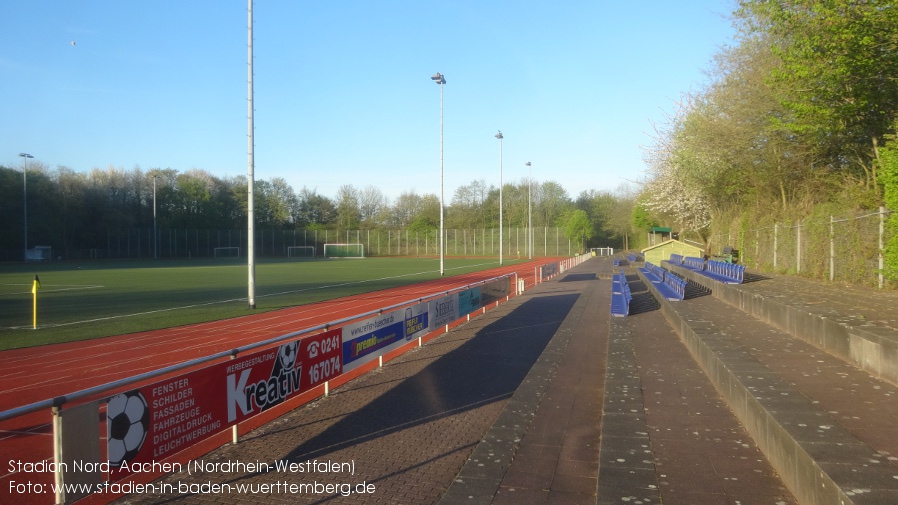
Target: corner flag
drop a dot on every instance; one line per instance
(34, 289)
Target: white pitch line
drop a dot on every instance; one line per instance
(54, 289)
(122, 316)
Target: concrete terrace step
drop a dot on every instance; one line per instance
(667, 436)
(860, 325)
(826, 426)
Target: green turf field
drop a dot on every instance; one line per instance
(85, 300)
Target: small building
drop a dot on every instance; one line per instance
(661, 252)
(659, 234)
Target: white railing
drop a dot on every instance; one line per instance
(55, 404)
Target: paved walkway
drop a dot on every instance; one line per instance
(409, 427)
(547, 399)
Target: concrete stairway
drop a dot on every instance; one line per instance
(810, 370)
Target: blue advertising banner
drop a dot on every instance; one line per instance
(468, 301)
(366, 340)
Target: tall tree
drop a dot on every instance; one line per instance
(372, 206)
(315, 210)
(349, 213)
(578, 227)
(407, 205)
(839, 59)
(554, 202)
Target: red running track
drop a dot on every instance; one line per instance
(39, 373)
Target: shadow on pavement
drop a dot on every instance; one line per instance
(578, 277)
(487, 368)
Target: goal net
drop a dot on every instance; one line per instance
(344, 251)
(39, 253)
(226, 252)
(301, 251)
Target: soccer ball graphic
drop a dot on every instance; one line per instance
(127, 423)
(287, 355)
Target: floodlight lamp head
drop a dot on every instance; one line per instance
(527, 164)
(26, 155)
(499, 135)
(438, 78)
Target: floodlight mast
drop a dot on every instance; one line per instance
(155, 232)
(440, 79)
(25, 157)
(529, 211)
(500, 137)
(250, 202)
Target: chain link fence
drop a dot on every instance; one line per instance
(196, 243)
(841, 248)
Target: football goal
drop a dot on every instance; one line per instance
(226, 252)
(344, 251)
(301, 251)
(602, 251)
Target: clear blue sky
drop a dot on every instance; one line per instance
(343, 93)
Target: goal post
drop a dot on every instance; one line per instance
(226, 252)
(301, 251)
(344, 251)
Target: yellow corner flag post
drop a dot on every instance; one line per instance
(34, 289)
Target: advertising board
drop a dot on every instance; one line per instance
(150, 423)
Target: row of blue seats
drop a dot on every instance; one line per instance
(729, 273)
(620, 295)
(669, 285)
(633, 258)
(692, 263)
(718, 270)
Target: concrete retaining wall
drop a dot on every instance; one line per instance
(819, 460)
(869, 348)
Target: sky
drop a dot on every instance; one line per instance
(343, 91)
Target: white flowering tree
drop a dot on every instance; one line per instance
(672, 187)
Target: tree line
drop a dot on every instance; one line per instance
(798, 119)
(69, 209)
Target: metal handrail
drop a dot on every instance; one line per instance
(77, 395)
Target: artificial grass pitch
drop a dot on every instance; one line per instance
(85, 300)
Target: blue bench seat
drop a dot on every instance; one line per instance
(620, 295)
(669, 286)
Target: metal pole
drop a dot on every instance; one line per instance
(832, 250)
(250, 252)
(775, 232)
(58, 478)
(155, 233)
(440, 79)
(442, 253)
(25, 157)
(882, 218)
(529, 211)
(500, 137)
(25, 203)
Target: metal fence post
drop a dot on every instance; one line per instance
(882, 219)
(58, 478)
(832, 249)
(775, 237)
